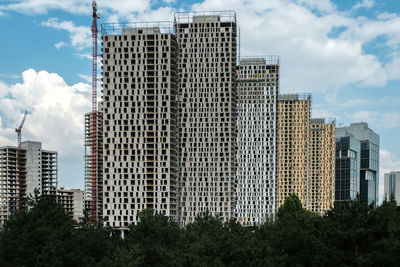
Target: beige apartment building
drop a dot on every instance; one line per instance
(294, 112)
(322, 162)
(306, 154)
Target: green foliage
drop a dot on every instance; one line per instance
(155, 241)
(352, 234)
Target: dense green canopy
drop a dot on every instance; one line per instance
(350, 235)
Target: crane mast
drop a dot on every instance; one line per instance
(94, 115)
(19, 163)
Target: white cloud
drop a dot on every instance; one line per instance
(324, 6)
(86, 78)
(55, 111)
(80, 35)
(122, 7)
(43, 6)
(84, 55)
(363, 4)
(382, 120)
(313, 60)
(60, 45)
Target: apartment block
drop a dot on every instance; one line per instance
(392, 186)
(321, 185)
(294, 112)
(257, 169)
(99, 162)
(207, 113)
(39, 171)
(140, 135)
(73, 202)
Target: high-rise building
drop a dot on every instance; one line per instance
(258, 86)
(207, 113)
(39, 172)
(140, 135)
(294, 112)
(73, 202)
(369, 159)
(392, 186)
(347, 167)
(99, 160)
(321, 182)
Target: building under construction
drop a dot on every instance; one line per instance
(73, 202)
(39, 171)
(89, 163)
(305, 154)
(258, 87)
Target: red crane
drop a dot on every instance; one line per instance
(19, 162)
(94, 114)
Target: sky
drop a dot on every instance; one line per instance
(345, 52)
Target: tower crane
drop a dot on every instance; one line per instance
(94, 114)
(19, 161)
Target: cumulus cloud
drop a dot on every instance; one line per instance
(363, 4)
(80, 35)
(123, 7)
(312, 58)
(382, 120)
(55, 111)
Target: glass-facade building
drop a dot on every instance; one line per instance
(367, 155)
(347, 168)
(392, 186)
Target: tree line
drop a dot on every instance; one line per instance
(353, 234)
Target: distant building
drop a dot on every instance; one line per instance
(306, 158)
(73, 202)
(207, 113)
(294, 114)
(140, 134)
(257, 168)
(392, 186)
(347, 167)
(39, 171)
(369, 159)
(88, 162)
(321, 185)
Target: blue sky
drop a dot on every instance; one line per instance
(346, 53)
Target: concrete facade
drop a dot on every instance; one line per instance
(73, 202)
(39, 171)
(140, 156)
(88, 161)
(258, 87)
(207, 113)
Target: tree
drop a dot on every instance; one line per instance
(296, 238)
(155, 240)
(35, 236)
